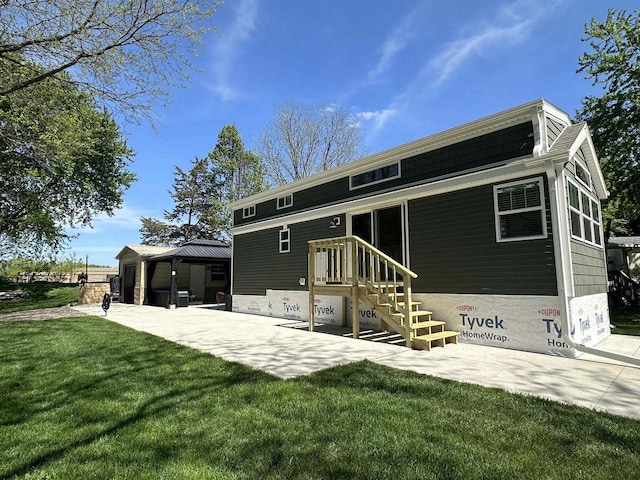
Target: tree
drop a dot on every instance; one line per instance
(193, 195)
(228, 173)
(123, 52)
(614, 117)
(63, 161)
(303, 141)
(237, 173)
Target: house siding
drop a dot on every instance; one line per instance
(472, 154)
(554, 129)
(259, 266)
(453, 248)
(589, 269)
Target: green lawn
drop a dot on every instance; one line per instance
(625, 319)
(86, 398)
(40, 295)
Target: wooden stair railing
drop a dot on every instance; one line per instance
(348, 266)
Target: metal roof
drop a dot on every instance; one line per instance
(197, 249)
(628, 242)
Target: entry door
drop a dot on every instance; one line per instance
(383, 228)
(129, 283)
(197, 281)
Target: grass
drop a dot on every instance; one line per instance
(40, 295)
(87, 398)
(625, 318)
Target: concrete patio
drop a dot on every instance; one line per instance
(286, 348)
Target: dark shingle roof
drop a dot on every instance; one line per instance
(567, 138)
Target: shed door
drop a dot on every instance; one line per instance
(129, 282)
(197, 281)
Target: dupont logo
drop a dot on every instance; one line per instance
(285, 299)
(466, 308)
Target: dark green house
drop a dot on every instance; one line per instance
(497, 222)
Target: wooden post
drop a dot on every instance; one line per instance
(312, 281)
(407, 308)
(355, 300)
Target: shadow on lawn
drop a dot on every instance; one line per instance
(53, 378)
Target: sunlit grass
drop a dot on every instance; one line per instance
(38, 295)
(87, 398)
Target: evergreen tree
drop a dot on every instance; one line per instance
(237, 172)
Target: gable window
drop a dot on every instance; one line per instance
(584, 215)
(582, 174)
(519, 210)
(285, 240)
(249, 211)
(285, 201)
(378, 175)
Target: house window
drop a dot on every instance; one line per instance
(285, 241)
(378, 175)
(519, 210)
(582, 174)
(218, 272)
(249, 211)
(584, 215)
(286, 201)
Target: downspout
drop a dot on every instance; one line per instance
(561, 244)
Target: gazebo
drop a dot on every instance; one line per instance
(195, 272)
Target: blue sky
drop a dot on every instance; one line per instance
(405, 69)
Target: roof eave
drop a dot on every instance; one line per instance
(484, 125)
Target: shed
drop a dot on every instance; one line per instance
(623, 265)
(132, 268)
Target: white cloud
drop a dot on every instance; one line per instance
(377, 118)
(510, 25)
(401, 36)
(125, 218)
(226, 48)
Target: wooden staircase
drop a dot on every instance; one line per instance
(424, 332)
(350, 267)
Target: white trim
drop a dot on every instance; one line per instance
(497, 213)
(287, 201)
(558, 204)
(593, 223)
(405, 234)
(398, 175)
(231, 271)
(578, 163)
(492, 123)
(249, 208)
(281, 241)
(511, 171)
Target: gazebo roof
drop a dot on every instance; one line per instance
(195, 250)
(626, 242)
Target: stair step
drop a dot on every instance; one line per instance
(389, 286)
(420, 313)
(427, 324)
(396, 295)
(401, 304)
(437, 336)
